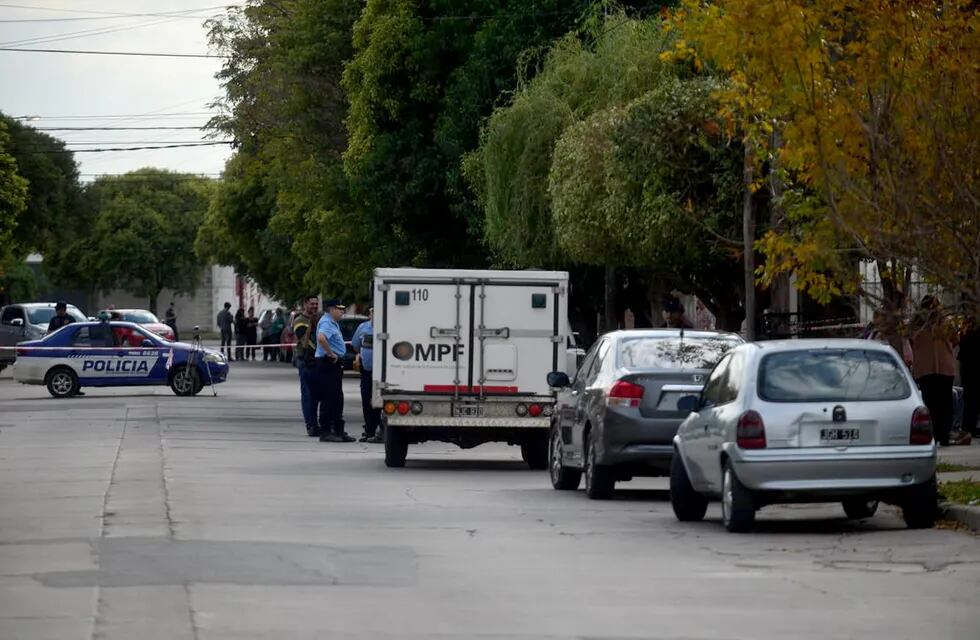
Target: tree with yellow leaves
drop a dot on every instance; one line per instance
(876, 108)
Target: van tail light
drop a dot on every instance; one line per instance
(534, 410)
(404, 408)
(624, 394)
(921, 432)
(751, 431)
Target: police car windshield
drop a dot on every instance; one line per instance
(139, 317)
(43, 315)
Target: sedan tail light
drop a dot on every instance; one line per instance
(921, 432)
(624, 394)
(751, 431)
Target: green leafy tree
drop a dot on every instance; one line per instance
(53, 187)
(142, 230)
(13, 201)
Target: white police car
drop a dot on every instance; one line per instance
(115, 354)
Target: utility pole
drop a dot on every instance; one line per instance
(748, 241)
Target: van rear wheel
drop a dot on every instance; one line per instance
(396, 446)
(535, 452)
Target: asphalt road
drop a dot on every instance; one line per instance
(134, 514)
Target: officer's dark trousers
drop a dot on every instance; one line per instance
(331, 383)
(970, 379)
(226, 343)
(372, 416)
(309, 393)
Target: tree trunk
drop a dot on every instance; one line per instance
(153, 301)
(748, 241)
(609, 304)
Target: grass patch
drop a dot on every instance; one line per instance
(961, 492)
(946, 467)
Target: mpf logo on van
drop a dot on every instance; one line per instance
(426, 352)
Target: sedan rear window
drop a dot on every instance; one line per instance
(673, 353)
(43, 315)
(831, 376)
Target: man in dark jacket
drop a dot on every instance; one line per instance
(969, 358)
(304, 328)
(60, 318)
(226, 323)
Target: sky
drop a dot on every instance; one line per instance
(74, 90)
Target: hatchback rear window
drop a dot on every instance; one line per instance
(673, 353)
(831, 376)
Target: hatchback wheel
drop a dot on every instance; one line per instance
(858, 509)
(599, 481)
(62, 383)
(562, 478)
(737, 505)
(688, 504)
(920, 509)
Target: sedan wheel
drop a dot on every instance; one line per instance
(737, 508)
(599, 482)
(185, 381)
(62, 383)
(562, 477)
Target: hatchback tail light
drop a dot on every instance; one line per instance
(751, 431)
(624, 394)
(921, 432)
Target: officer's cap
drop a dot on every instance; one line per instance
(334, 302)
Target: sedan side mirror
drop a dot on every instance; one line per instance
(148, 343)
(688, 404)
(17, 322)
(558, 380)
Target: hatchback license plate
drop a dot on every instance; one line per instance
(840, 435)
(469, 410)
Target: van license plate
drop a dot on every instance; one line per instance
(469, 411)
(839, 435)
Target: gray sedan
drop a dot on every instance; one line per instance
(806, 421)
(617, 419)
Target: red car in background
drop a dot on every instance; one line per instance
(143, 318)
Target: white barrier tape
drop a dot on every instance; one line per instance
(132, 348)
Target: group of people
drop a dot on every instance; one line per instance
(930, 345)
(244, 327)
(319, 351)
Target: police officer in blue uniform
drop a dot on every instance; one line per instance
(330, 349)
(363, 344)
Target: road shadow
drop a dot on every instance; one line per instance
(642, 495)
(430, 464)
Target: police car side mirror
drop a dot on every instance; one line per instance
(558, 380)
(17, 322)
(148, 343)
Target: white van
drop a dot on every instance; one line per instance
(463, 356)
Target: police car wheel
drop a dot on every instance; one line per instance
(62, 382)
(186, 381)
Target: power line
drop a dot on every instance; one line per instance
(104, 142)
(58, 37)
(103, 150)
(115, 53)
(114, 14)
(134, 116)
(118, 128)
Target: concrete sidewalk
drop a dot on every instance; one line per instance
(968, 457)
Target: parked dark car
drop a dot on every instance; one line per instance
(618, 417)
(27, 321)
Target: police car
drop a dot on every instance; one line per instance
(115, 354)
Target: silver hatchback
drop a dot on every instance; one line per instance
(806, 421)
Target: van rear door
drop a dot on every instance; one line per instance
(426, 328)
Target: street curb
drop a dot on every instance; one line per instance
(964, 514)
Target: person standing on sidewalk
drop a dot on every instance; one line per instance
(933, 365)
(969, 358)
(251, 334)
(304, 330)
(363, 344)
(171, 320)
(330, 348)
(226, 324)
(241, 324)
